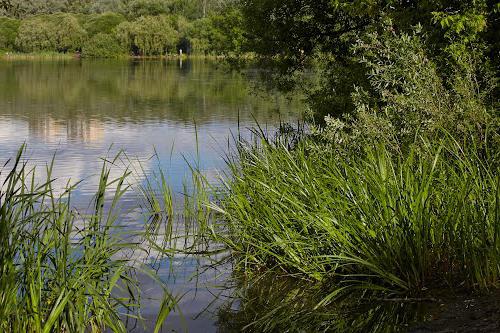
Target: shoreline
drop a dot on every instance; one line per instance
(12, 56)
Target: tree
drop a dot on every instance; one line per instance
(8, 32)
(148, 35)
(58, 33)
(298, 32)
(102, 46)
(138, 8)
(102, 23)
(227, 33)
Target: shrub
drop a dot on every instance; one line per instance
(228, 32)
(148, 35)
(102, 46)
(138, 8)
(58, 32)
(408, 93)
(124, 35)
(200, 35)
(102, 23)
(8, 32)
(35, 34)
(69, 35)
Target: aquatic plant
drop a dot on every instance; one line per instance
(370, 223)
(63, 270)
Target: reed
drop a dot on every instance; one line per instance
(369, 223)
(63, 270)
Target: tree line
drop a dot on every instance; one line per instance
(190, 8)
(112, 28)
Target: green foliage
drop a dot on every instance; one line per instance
(59, 32)
(373, 221)
(296, 34)
(191, 9)
(8, 32)
(59, 269)
(35, 35)
(155, 27)
(23, 8)
(102, 46)
(102, 23)
(124, 34)
(149, 35)
(227, 34)
(200, 35)
(408, 95)
(138, 8)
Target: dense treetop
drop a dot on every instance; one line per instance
(292, 34)
(112, 28)
(133, 8)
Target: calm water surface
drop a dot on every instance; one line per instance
(86, 110)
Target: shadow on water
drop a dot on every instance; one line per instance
(283, 304)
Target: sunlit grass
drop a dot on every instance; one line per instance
(63, 270)
(371, 223)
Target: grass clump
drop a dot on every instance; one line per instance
(63, 270)
(375, 222)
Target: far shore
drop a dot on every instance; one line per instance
(69, 56)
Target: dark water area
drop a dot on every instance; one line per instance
(162, 115)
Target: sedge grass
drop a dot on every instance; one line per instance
(373, 223)
(63, 270)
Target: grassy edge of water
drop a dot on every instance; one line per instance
(273, 215)
(373, 226)
(11, 56)
(64, 269)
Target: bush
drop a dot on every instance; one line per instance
(148, 35)
(8, 32)
(408, 94)
(35, 35)
(200, 35)
(124, 35)
(228, 33)
(138, 8)
(59, 32)
(102, 23)
(102, 46)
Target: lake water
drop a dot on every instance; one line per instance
(83, 111)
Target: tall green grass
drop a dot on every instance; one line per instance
(369, 223)
(63, 270)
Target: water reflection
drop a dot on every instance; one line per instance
(81, 130)
(88, 110)
(281, 304)
(81, 108)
